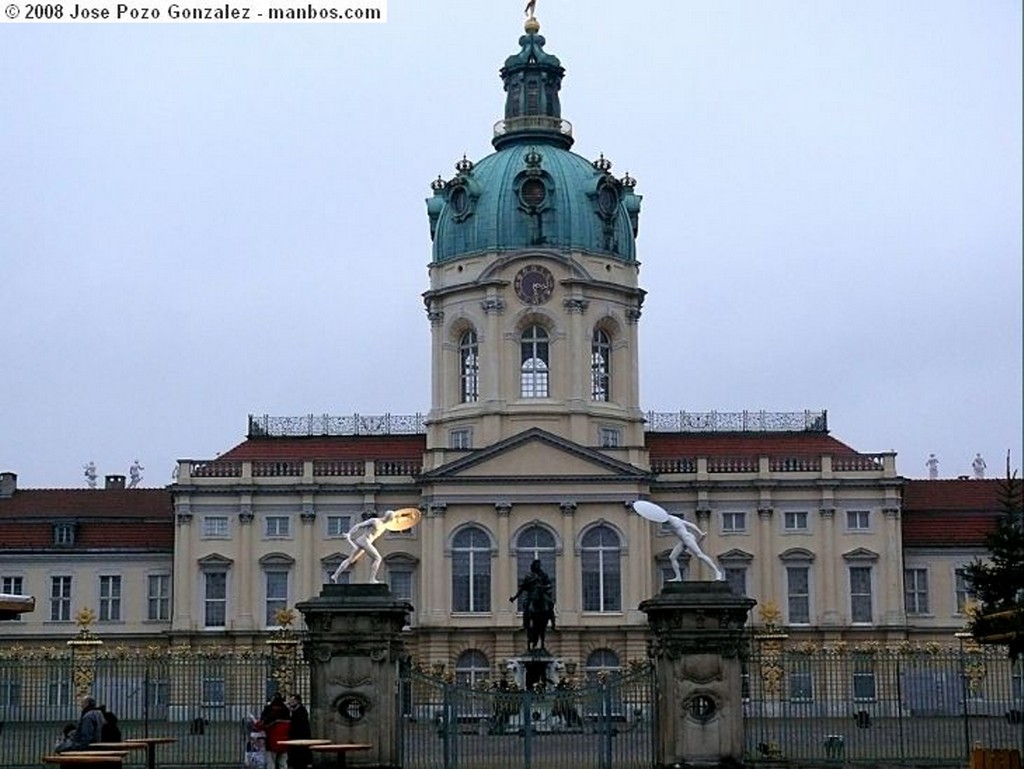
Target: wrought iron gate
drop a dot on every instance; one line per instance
(606, 724)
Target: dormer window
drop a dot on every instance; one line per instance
(64, 534)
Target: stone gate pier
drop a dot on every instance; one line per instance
(697, 637)
(354, 647)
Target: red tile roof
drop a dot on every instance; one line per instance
(106, 518)
(951, 495)
(332, 447)
(672, 445)
(949, 513)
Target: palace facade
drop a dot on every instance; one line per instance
(534, 446)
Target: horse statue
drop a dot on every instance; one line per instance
(538, 606)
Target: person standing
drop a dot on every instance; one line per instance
(276, 718)
(299, 729)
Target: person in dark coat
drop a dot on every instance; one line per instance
(299, 729)
(276, 719)
(88, 730)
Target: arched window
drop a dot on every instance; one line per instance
(535, 542)
(600, 663)
(472, 668)
(471, 570)
(469, 367)
(601, 554)
(600, 366)
(534, 358)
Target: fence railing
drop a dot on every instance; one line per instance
(201, 701)
(871, 704)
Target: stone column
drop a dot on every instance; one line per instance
(696, 641)
(354, 647)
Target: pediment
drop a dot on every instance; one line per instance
(534, 454)
(860, 554)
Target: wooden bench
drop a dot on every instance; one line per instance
(96, 759)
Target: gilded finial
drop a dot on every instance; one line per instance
(532, 26)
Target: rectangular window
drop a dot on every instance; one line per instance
(471, 584)
(277, 595)
(215, 599)
(964, 594)
(110, 599)
(863, 679)
(278, 527)
(337, 525)
(215, 526)
(12, 586)
(601, 581)
(400, 581)
(10, 690)
(915, 591)
(801, 686)
(58, 692)
(461, 438)
(159, 597)
(64, 534)
(736, 578)
(798, 594)
(214, 690)
(858, 520)
(60, 599)
(734, 522)
(795, 521)
(610, 437)
(860, 594)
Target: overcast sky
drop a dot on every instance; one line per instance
(202, 221)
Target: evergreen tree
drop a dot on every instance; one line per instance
(998, 583)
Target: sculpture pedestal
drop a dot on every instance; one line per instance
(697, 637)
(354, 647)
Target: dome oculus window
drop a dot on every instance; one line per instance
(607, 199)
(459, 200)
(533, 192)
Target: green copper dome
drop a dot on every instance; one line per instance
(533, 192)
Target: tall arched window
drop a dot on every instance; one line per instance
(600, 366)
(535, 542)
(469, 368)
(601, 576)
(471, 570)
(534, 359)
(472, 668)
(601, 661)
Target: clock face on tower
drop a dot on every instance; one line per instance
(534, 284)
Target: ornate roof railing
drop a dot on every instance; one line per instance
(737, 422)
(325, 424)
(263, 426)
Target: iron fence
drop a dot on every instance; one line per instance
(202, 701)
(870, 704)
(606, 724)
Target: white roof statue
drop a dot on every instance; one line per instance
(933, 467)
(135, 474)
(978, 465)
(89, 471)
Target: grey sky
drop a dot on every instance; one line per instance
(199, 221)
